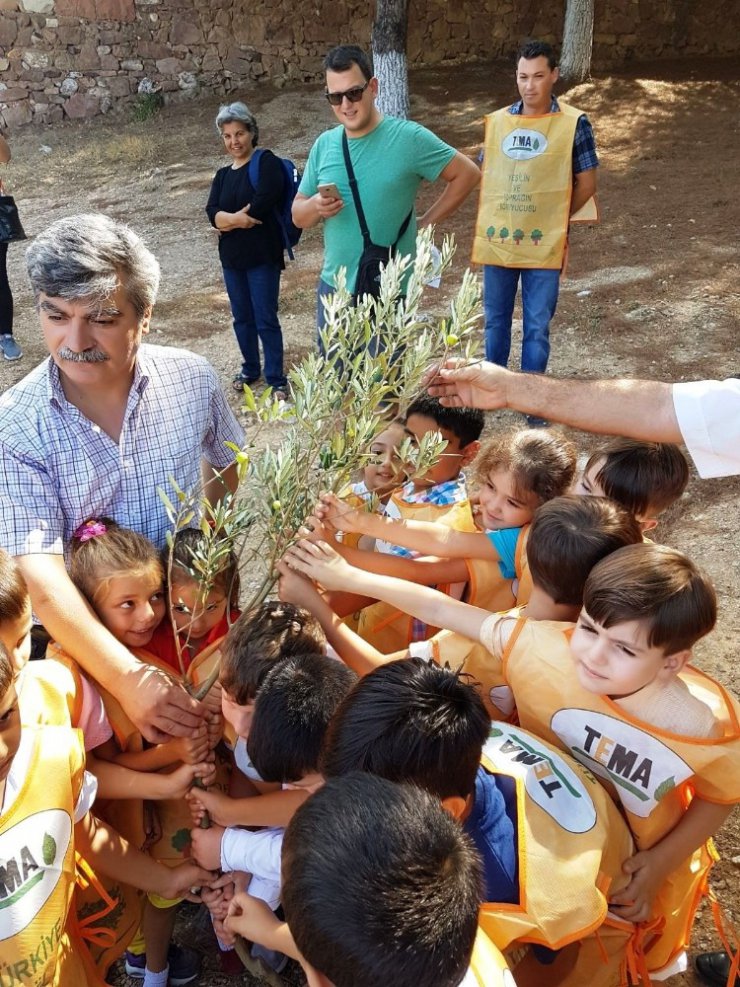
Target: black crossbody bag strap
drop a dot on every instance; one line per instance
(358, 204)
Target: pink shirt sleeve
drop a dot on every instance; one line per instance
(93, 720)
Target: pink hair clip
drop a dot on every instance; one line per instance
(90, 529)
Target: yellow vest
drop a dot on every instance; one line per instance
(37, 877)
(381, 624)
(107, 911)
(652, 773)
(353, 500)
(525, 194)
(487, 965)
(49, 693)
(572, 842)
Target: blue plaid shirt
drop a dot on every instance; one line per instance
(59, 468)
(584, 143)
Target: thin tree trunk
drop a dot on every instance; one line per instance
(578, 37)
(389, 56)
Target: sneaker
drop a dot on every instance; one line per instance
(9, 348)
(184, 965)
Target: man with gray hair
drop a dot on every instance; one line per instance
(94, 430)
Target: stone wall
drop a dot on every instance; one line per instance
(77, 58)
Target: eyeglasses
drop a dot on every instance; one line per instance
(354, 95)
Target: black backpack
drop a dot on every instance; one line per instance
(292, 178)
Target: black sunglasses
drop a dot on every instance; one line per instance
(354, 95)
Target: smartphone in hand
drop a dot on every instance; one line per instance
(328, 190)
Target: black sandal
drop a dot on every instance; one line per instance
(239, 382)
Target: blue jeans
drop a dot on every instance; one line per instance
(254, 294)
(539, 300)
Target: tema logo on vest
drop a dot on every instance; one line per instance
(640, 766)
(548, 779)
(31, 858)
(522, 144)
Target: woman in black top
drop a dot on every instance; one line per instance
(8, 346)
(242, 207)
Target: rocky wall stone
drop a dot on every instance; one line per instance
(83, 57)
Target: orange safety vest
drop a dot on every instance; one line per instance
(523, 585)
(652, 773)
(38, 943)
(487, 589)
(525, 194)
(382, 625)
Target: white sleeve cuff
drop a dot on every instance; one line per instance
(708, 414)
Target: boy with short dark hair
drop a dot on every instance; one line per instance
(645, 477)
(260, 637)
(295, 702)
(411, 721)
(443, 485)
(380, 886)
(256, 641)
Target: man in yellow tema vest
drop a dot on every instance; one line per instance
(538, 173)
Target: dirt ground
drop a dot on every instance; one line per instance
(651, 292)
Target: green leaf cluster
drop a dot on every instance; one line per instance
(375, 356)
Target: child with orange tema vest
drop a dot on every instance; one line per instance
(620, 695)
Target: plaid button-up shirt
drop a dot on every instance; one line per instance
(584, 143)
(441, 494)
(59, 468)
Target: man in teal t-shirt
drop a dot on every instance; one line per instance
(390, 158)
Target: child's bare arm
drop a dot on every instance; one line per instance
(343, 604)
(252, 918)
(118, 782)
(273, 809)
(426, 571)
(420, 536)
(115, 857)
(321, 563)
(192, 750)
(648, 869)
(354, 651)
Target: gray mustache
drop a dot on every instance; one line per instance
(87, 356)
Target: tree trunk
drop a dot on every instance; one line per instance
(578, 37)
(389, 57)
